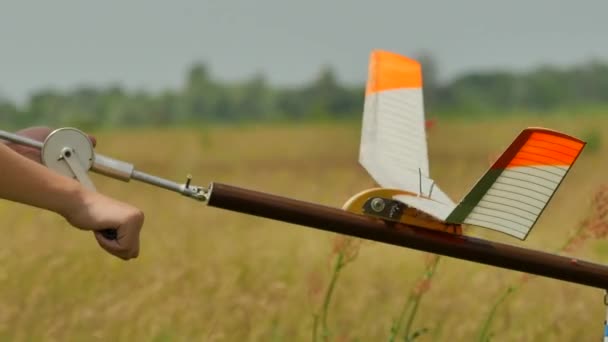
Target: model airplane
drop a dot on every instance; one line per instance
(509, 198)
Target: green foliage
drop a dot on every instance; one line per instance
(485, 333)
(412, 304)
(204, 99)
(593, 137)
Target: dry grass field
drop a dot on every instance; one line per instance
(206, 274)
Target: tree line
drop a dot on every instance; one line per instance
(204, 99)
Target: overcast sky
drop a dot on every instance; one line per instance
(150, 44)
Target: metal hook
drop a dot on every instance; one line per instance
(420, 181)
(432, 187)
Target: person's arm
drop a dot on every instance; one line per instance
(25, 181)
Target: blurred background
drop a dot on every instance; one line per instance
(269, 95)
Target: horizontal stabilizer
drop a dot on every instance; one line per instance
(513, 193)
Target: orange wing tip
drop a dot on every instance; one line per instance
(389, 71)
(557, 135)
(536, 146)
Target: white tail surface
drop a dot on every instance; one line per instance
(513, 193)
(393, 137)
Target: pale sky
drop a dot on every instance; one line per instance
(150, 44)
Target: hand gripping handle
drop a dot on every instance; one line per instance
(70, 152)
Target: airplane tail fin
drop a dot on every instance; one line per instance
(393, 137)
(513, 193)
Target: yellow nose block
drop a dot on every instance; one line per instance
(410, 217)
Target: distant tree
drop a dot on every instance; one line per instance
(9, 114)
(291, 103)
(45, 108)
(430, 78)
(255, 100)
(545, 89)
(483, 92)
(200, 97)
(328, 98)
(203, 99)
(588, 83)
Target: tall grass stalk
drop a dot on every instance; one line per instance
(485, 333)
(346, 250)
(411, 305)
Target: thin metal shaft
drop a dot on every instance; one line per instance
(119, 170)
(19, 139)
(157, 181)
(137, 175)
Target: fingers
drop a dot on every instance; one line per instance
(93, 140)
(126, 245)
(91, 210)
(36, 133)
(119, 247)
(26, 151)
(40, 133)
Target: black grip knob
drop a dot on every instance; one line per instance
(110, 234)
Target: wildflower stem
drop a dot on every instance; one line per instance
(315, 324)
(413, 301)
(397, 324)
(426, 277)
(328, 294)
(484, 333)
(410, 319)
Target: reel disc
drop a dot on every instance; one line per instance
(57, 141)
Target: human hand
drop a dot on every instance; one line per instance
(38, 134)
(27, 182)
(97, 212)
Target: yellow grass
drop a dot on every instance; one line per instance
(211, 275)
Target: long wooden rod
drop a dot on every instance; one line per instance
(458, 246)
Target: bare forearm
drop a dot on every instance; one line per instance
(25, 181)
